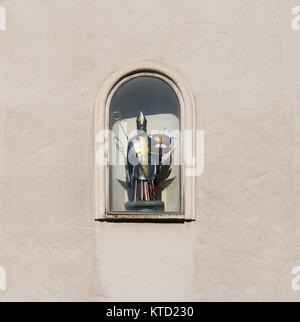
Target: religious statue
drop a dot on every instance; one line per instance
(147, 169)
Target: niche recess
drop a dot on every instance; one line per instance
(163, 96)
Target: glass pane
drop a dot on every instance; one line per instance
(145, 147)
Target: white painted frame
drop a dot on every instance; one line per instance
(188, 122)
(2, 19)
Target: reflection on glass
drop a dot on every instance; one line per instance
(145, 147)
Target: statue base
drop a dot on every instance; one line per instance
(145, 206)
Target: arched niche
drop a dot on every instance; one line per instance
(149, 86)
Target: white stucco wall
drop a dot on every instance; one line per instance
(241, 59)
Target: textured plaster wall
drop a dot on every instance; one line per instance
(242, 61)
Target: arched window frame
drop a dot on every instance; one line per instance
(2, 19)
(188, 122)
